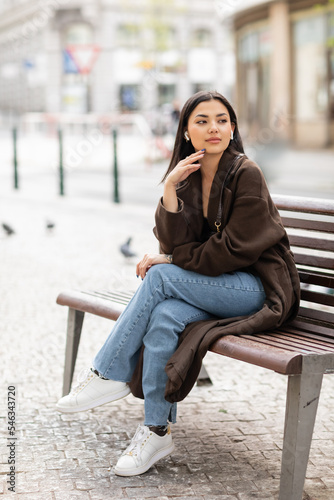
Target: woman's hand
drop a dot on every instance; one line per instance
(150, 260)
(184, 168)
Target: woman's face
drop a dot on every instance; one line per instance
(209, 127)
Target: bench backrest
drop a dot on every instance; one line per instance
(310, 226)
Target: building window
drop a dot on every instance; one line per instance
(310, 85)
(254, 52)
(166, 93)
(129, 97)
(78, 33)
(164, 37)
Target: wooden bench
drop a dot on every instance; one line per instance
(303, 350)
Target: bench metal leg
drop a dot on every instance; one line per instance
(74, 327)
(301, 409)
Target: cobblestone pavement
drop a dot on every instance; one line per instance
(228, 436)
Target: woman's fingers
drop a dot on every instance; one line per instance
(181, 172)
(143, 266)
(148, 261)
(193, 157)
(185, 167)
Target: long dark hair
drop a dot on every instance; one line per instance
(182, 148)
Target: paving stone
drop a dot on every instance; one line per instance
(101, 493)
(257, 495)
(142, 492)
(90, 484)
(55, 484)
(50, 455)
(71, 495)
(177, 497)
(319, 471)
(35, 496)
(210, 489)
(95, 462)
(158, 498)
(80, 454)
(101, 472)
(73, 445)
(220, 497)
(73, 472)
(267, 484)
(131, 481)
(179, 489)
(27, 487)
(226, 474)
(238, 486)
(59, 464)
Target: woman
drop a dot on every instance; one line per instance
(225, 267)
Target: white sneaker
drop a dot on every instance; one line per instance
(91, 391)
(145, 449)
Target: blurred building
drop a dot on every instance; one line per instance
(105, 55)
(285, 70)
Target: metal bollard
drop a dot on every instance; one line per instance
(16, 175)
(115, 170)
(61, 166)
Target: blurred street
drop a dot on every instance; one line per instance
(228, 436)
(88, 171)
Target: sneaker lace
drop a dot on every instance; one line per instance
(138, 440)
(81, 378)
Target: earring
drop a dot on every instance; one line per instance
(231, 135)
(186, 136)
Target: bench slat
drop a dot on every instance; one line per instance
(316, 278)
(120, 297)
(324, 317)
(314, 261)
(299, 333)
(311, 328)
(257, 353)
(317, 297)
(87, 302)
(318, 339)
(309, 242)
(304, 205)
(295, 342)
(283, 343)
(308, 224)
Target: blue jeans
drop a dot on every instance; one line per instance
(167, 300)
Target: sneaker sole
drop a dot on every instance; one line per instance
(140, 470)
(95, 403)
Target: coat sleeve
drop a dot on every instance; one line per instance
(253, 227)
(173, 228)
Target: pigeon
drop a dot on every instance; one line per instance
(126, 250)
(50, 225)
(8, 230)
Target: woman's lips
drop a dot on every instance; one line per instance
(214, 140)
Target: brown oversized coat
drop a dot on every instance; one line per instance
(252, 238)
